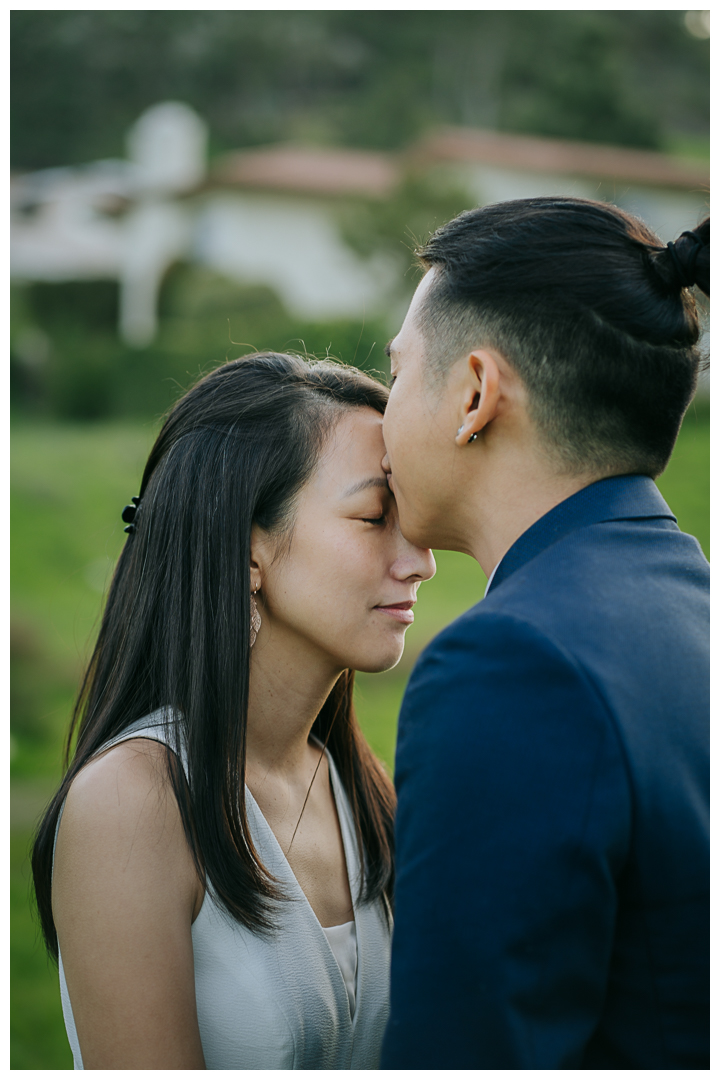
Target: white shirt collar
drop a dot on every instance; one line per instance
(489, 580)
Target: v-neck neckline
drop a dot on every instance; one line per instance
(351, 871)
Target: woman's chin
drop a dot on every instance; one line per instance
(382, 662)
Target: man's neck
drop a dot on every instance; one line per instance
(503, 515)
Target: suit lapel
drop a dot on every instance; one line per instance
(613, 499)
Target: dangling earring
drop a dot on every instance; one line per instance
(255, 620)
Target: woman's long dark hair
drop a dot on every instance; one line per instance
(234, 451)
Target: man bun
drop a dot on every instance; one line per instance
(686, 261)
(591, 310)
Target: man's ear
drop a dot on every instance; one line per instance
(481, 395)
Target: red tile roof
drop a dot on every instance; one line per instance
(535, 154)
(320, 171)
(336, 171)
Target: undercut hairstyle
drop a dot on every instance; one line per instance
(175, 635)
(590, 309)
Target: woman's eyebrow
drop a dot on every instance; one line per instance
(372, 481)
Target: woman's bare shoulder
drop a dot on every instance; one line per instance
(133, 761)
(126, 782)
(125, 892)
(121, 819)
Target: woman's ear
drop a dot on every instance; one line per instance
(481, 395)
(259, 556)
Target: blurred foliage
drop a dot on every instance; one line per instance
(358, 78)
(579, 91)
(67, 361)
(398, 224)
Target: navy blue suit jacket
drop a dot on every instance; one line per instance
(552, 827)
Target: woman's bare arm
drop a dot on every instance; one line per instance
(125, 892)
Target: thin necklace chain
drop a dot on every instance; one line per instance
(307, 796)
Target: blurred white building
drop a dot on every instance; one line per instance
(670, 194)
(258, 221)
(269, 216)
(123, 220)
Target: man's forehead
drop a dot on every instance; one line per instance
(410, 327)
(422, 290)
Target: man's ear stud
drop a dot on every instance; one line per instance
(472, 437)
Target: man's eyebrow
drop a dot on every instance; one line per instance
(372, 481)
(388, 347)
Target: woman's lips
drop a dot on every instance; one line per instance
(402, 611)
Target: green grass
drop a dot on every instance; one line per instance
(37, 1032)
(68, 485)
(685, 484)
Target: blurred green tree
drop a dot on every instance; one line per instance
(67, 361)
(580, 90)
(365, 78)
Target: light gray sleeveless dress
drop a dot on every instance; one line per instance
(280, 1001)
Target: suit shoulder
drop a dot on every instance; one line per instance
(495, 688)
(485, 628)
(504, 653)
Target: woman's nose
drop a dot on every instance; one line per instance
(414, 562)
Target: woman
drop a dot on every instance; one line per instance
(221, 889)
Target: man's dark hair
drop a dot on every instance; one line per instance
(592, 311)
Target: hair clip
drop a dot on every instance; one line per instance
(129, 513)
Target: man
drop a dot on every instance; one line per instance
(552, 759)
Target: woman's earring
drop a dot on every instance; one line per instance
(255, 620)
